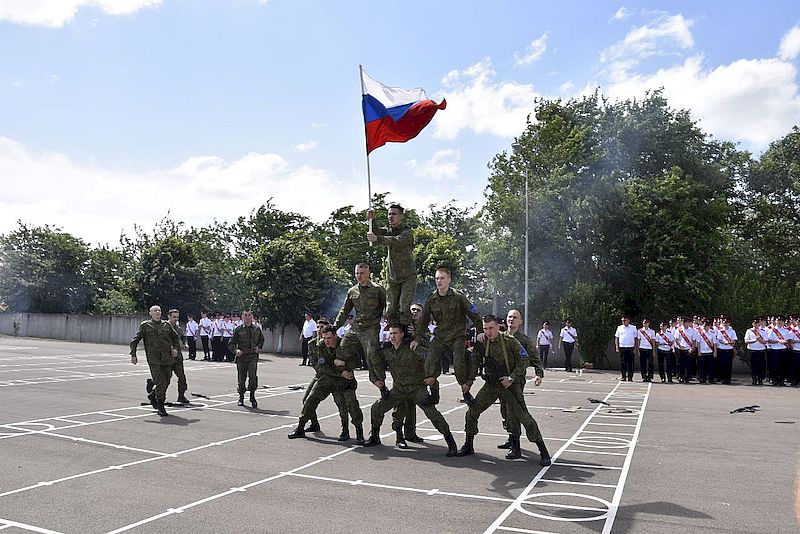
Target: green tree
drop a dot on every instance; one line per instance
(107, 273)
(42, 269)
(288, 276)
(594, 309)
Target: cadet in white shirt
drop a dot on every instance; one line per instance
(645, 350)
(205, 334)
(794, 326)
(543, 341)
(306, 333)
(217, 350)
(191, 336)
(756, 340)
(780, 339)
(706, 341)
(666, 357)
(568, 338)
(726, 349)
(685, 336)
(626, 341)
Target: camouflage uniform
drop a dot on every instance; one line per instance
(503, 357)
(450, 312)
(180, 373)
(247, 339)
(369, 302)
(329, 380)
(159, 339)
(408, 374)
(338, 396)
(401, 272)
(533, 361)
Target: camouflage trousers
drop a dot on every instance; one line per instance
(161, 375)
(322, 388)
(398, 398)
(515, 404)
(399, 296)
(246, 370)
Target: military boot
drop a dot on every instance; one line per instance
(314, 425)
(514, 451)
(182, 398)
(241, 399)
(452, 448)
(469, 400)
(359, 435)
(468, 448)
(507, 443)
(151, 393)
(253, 401)
(413, 437)
(299, 432)
(400, 442)
(374, 437)
(345, 435)
(162, 412)
(545, 456)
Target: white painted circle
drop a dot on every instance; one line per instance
(528, 500)
(602, 442)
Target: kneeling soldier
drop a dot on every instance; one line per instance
(504, 362)
(333, 375)
(408, 373)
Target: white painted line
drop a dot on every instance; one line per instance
(598, 452)
(525, 530)
(612, 510)
(429, 492)
(8, 523)
(593, 484)
(587, 466)
(612, 424)
(566, 506)
(104, 444)
(603, 432)
(528, 489)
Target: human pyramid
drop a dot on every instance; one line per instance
(413, 356)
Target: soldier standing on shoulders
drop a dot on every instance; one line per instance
(450, 309)
(401, 271)
(245, 341)
(161, 345)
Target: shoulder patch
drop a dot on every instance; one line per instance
(473, 309)
(321, 361)
(523, 353)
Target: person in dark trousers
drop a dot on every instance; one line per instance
(626, 341)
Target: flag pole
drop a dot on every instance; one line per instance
(369, 175)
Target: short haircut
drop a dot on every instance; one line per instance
(323, 322)
(172, 310)
(327, 329)
(444, 270)
(491, 318)
(155, 306)
(362, 265)
(396, 325)
(190, 316)
(397, 207)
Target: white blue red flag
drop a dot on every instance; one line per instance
(394, 115)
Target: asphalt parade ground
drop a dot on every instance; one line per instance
(79, 454)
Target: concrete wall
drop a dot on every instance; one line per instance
(118, 329)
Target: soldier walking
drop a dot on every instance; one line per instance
(161, 345)
(244, 344)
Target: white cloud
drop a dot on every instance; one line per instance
(790, 45)
(533, 52)
(622, 13)
(319, 125)
(56, 13)
(476, 102)
(566, 86)
(442, 166)
(750, 100)
(97, 203)
(305, 147)
(659, 38)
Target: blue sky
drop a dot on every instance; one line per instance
(114, 112)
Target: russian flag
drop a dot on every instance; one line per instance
(394, 115)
